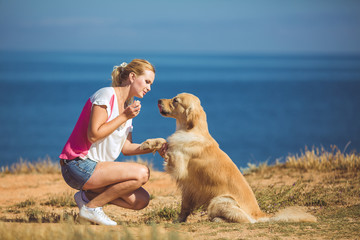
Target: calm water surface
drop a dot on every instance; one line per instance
(259, 108)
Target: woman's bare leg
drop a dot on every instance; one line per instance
(119, 183)
(136, 201)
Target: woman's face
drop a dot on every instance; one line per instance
(142, 83)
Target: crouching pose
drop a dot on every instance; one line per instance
(102, 132)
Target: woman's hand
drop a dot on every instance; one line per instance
(99, 128)
(133, 110)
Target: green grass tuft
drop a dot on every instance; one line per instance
(165, 213)
(26, 203)
(41, 216)
(61, 200)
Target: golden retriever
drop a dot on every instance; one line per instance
(205, 174)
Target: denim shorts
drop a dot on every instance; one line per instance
(77, 172)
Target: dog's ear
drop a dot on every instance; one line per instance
(191, 117)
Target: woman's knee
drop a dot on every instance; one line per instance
(141, 202)
(143, 174)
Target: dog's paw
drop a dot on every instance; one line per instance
(217, 220)
(180, 220)
(153, 144)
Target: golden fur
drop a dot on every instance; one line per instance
(205, 174)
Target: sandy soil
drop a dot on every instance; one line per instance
(16, 189)
(40, 187)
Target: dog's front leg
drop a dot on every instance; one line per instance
(186, 208)
(183, 215)
(154, 144)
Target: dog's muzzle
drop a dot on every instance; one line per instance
(161, 108)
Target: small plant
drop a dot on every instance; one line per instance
(62, 200)
(26, 203)
(165, 213)
(38, 215)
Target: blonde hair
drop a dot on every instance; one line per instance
(121, 72)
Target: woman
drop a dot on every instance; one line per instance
(102, 131)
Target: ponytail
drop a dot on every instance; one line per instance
(121, 73)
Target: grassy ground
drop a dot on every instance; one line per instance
(326, 184)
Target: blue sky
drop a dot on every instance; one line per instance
(254, 26)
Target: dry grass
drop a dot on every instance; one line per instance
(46, 166)
(142, 161)
(24, 167)
(317, 159)
(61, 200)
(70, 231)
(327, 183)
(322, 160)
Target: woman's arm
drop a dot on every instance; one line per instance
(131, 148)
(99, 128)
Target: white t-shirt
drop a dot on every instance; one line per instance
(107, 149)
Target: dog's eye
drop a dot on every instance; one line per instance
(175, 100)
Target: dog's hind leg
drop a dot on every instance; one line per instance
(226, 208)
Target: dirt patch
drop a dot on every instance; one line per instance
(21, 194)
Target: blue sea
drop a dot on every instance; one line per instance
(259, 107)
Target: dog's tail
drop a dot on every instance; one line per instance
(226, 208)
(290, 214)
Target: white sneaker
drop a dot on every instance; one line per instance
(96, 215)
(79, 199)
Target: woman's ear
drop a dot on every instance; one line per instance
(132, 77)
